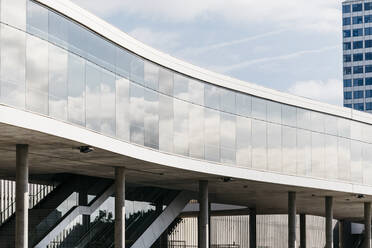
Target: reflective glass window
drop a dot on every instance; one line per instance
(346, 21)
(348, 95)
(181, 87)
(37, 20)
(303, 152)
(368, 105)
(358, 69)
(123, 59)
(259, 108)
(228, 100)
(343, 159)
(243, 141)
(368, 6)
(368, 93)
(13, 66)
(196, 131)
(37, 75)
(331, 157)
(357, 19)
(122, 108)
(368, 43)
(274, 112)
(368, 68)
(357, 32)
(259, 144)
(317, 122)
(228, 138)
(317, 155)
(196, 92)
(166, 81)
(347, 33)
(347, 70)
(76, 89)
(368, 56)
(289, 150)
(358, 57)
(243, 105)
(343, 127)
(357, 7)
(346, 8)
(151, 75)
(289, 115)
(212, 135)
(151, 121)
(359, 106)
(347, 46)
(347, 83)
(274, 147)
(137, 72)
(212, 96)
(358, 81)
(356, 130)
(367, 164)
(58, 61)
(136, 114)
(181, 127)
(165, 123)
(58, 29)
(93, 96)
(108, 103)
(348, 105)
(13, 12)
(367, 31)
(330, 124)
(357, 44)
(368, 81)
(358, 94)
(347, 58)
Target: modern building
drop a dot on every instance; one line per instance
(357, 57)
(106, 142)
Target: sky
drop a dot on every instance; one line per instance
(293, 46)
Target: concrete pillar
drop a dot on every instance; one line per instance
(203, 238)
(302, 230)
(291, 219)
(83, 201)
(341, 234)
(252, 229)
(119, 207)
(329, 219)
(367, 225)
(22, 197)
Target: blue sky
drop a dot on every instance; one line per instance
(289, 45)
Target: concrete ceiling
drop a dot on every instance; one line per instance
(51, 155)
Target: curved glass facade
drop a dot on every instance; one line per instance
(56, 67)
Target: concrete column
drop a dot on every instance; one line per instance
(83, 201)
(341, 234)
(203, 238)
(252, 229)
(302, 230)
(367, 225)
(291, 219)
(329, 219)
(22, 197)
(119, 207)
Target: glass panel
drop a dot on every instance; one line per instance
(37, 20)
(317, 122)
(228, 100)
(108, 103)
(58, 30)
(181, 87)
(13, 66)
(343, 127)
(166, 81)
(212, 135)
(343, 159)
(13, 12)
(37, 75)
(356, 130)
(151, 75)
(274, 144)
(303, 152)
(243, 141)
(196, 131)
(367, 133)
(76, 89)
(93, 97)
(137, 72)
(356, 168)
(303, 119)
(122, 108)
(289, 115)
(136, 114)
(123, 59)
(259, 108)
(212, 96)
(151, 119)
(259, 146)
(317, 155)
(243, 104)
(331, 124)
(196, 92)
(274, 112)
(181, 127)
(58, 82)
(165, 123)
(228, 138)
(289, 149)
(331, 157)
(367, 164)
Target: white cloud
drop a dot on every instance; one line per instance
(329, 91)
(165, 41)
(321, 15)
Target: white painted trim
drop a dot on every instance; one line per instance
(117, 36)
(43, 124)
